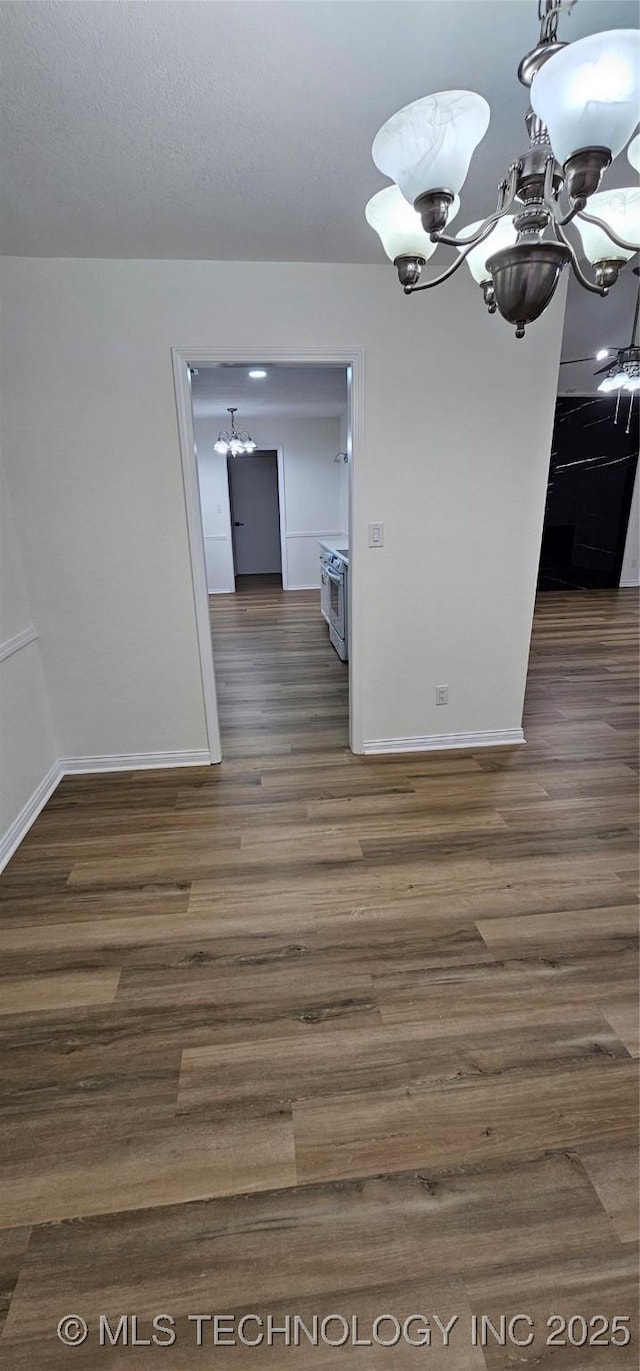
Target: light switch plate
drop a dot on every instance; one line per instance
(376, 535)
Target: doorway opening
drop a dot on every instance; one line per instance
(254, 506)
(263, 523)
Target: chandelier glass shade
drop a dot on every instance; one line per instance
(399, 226)
(502, 235)
(588, 95)
(429, 144)
(633, 152)
(621, 210)
(231, 441)
(585, 101)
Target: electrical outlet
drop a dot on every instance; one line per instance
(442, 695)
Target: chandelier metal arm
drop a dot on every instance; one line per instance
(556, 213)
(552, 203)
(483, 232)
(575, 265)
(505, 202)
(602, 224)
(547, 189)
(450, 271)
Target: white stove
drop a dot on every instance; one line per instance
(334, 595)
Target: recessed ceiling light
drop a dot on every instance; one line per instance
(602, 352)
(257, 375)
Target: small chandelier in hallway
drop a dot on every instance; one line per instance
(231, 440)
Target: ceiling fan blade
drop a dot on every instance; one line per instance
(573, 361)
(607, 366)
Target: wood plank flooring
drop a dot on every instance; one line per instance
(318, 1034)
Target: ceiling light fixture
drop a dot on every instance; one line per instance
(231, 441)
(601, 354)
(257, 375)
(624, 374)
(584, 109)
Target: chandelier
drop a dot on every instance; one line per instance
(231, 440)
(584, 108)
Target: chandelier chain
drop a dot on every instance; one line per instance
(549, 12)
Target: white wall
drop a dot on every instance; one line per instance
(630, 574)
(312, 495)
(27, 745)
(214, 505)
(90, 431)
(344, 445)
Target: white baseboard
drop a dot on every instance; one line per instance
(146, 761)
(84, 766)
(312, 585)
(28, 814)
(444, 742)
(133, 761)
(630, 583)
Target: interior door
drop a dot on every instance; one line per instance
(255, 513)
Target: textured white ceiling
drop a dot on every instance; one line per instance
(241, 130)
(308, 392)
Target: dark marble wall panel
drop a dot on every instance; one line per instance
(593, 462)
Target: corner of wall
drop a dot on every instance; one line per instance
(28, 747)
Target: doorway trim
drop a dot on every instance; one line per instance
(284, 557)
(184, 357)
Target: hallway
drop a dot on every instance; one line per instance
(321, 1034)
(281, 687)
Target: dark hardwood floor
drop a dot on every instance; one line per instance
(319, 1034)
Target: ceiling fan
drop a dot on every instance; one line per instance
(622, 374)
